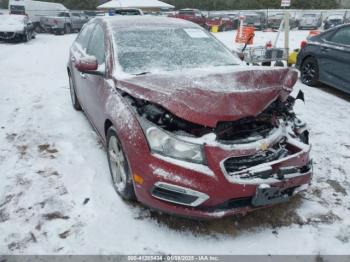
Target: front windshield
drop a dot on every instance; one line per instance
(148, 50)
(251, 19)
(63, 14)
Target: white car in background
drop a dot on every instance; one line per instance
(16, 28)
(310, 21)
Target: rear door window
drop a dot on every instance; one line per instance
(17, 9)
(342, 36)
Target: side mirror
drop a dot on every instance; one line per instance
(86, 64)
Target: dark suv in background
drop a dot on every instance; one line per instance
(325, 58)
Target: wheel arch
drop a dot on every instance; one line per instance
(308, 56)
(108, 123)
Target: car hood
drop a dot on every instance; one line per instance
(208, 97)
(11, 27)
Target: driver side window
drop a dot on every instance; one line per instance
(97, 45)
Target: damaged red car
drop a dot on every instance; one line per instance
(189, 129)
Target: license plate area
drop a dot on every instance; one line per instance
(269, 196)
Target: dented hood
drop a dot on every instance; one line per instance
(206, 97)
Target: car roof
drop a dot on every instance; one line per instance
(145, 21)
(317, 37)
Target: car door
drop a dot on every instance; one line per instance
(335, 57)
(95, 87)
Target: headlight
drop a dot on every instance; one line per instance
(167, 145)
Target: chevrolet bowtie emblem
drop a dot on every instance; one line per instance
(264, 146)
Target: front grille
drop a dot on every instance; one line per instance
(7, 35)
(235, 164)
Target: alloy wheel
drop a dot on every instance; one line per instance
(118, 164)
(308, 72)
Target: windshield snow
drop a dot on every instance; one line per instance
(145, 50)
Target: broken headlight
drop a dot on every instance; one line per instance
(165, 144)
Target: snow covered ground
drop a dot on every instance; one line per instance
(56, 195)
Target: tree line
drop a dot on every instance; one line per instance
(208, 4)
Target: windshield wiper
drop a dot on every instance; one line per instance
(142, 73)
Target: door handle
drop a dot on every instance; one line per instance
(72, 59)
(83, 75)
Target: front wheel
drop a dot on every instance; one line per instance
(119, 167)
(309, 72)
(26, 37)
(73, 95)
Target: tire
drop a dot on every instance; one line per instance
(26, 37)
(67, 28)
(119, 167)
(73, 95)
(309, 72)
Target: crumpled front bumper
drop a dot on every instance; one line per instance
(213, 192)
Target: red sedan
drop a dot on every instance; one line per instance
(188, 128)
(223, 22)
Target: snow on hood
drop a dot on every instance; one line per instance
(207, 98)
(11, 23)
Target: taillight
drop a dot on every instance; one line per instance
(303, 44)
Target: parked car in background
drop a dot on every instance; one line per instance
(310, 21)
(333, 20)
(257, 20)
(274, 21)
(223, 22)
(172, 112)
(127, 11)
(16, 28)
(193, 15)
(325, 58)
(93, 13)
(64, 22)
(35, 10)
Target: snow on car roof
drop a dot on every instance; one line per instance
(142, 21)
(334, 17)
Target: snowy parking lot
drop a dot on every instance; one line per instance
(56, 196)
